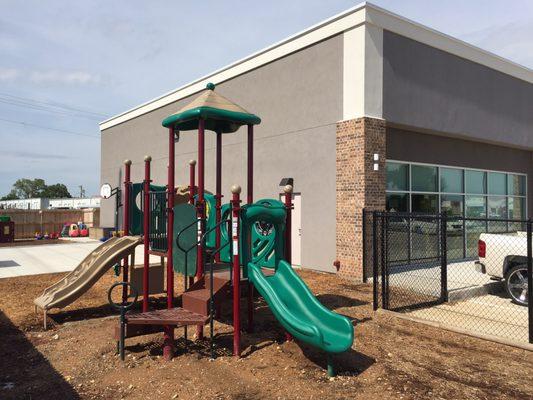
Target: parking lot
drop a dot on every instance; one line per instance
(49, 258)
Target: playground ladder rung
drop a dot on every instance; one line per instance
(175, 316)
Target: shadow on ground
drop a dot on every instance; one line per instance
(25, 372)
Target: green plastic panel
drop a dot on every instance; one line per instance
(185, 220)
(136, 214)
(262, 227)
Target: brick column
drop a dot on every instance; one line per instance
(358, 187)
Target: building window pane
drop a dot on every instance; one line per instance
(517, 185)
(475, 182)
(398, 202)
(452, 205)
(425, 203)
(476, 207)
(497, 208)
(517, 208)
(451, 180)
(497, 183)
(397, 176)
(424, 178)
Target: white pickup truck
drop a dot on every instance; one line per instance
(504, 257)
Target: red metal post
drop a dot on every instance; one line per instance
(288, 223)
(146, 231)
(249, 200)
(250, 169)
(192, 193)
(288, 228)
(200, 206)
(192, 183)
(236, 278)
(218, 197)
(126, 224)
(168, 341)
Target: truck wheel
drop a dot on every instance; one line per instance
(516, 284)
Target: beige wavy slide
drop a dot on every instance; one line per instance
(85, 275)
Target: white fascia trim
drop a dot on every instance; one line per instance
(323, 30)
(362, 13)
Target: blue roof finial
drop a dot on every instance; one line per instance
(210, 86)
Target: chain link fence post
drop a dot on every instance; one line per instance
(444, 258)
(530, 280)
(375, 273)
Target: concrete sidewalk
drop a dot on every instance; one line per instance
(45, 259)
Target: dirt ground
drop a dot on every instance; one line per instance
(391, 358)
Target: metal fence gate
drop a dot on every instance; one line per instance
(472, 274)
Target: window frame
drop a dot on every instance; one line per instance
(439, 193)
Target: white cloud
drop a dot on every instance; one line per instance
(8, 74)
(73, 77)
(51, 76)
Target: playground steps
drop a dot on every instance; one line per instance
(197, 297)
(176, 316)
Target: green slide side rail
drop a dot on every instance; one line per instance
(299, 311)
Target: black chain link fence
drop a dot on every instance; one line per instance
(470, 274)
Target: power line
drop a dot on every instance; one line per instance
(50, 106)
(48, 128)
(27, 106)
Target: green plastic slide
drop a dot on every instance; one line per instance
(299, 311)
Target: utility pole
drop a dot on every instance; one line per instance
(82, 191)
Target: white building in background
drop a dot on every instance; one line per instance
(43, 203)
(89, 202)
(25, 204)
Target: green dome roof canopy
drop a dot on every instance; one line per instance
(219, 113)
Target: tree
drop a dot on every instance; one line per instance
(55, 191)
(28, 188)
(10, 196)
(34, 188)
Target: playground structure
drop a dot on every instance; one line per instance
(223, 251)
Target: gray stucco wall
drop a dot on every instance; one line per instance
(427, 88)
(299, 99)
(405, 145)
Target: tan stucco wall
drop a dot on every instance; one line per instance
(299, 99)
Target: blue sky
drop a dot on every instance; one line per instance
(66, 65)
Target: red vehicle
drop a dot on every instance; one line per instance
(75, 230)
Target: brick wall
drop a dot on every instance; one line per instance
(358, 187)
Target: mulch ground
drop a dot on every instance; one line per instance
(391, 358)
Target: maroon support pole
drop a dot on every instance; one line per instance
(126, 224)
(288, 229)
(200, 206)
(192, 183)
(288, 223)
(249, 200)
(168, 340)
(236, 277)
(192, 192)
(218, 197)
(146, 231)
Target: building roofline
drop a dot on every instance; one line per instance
(365, 12)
